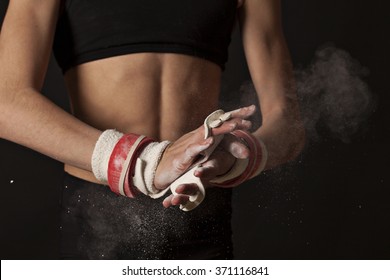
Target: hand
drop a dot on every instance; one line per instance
(221, 160)
(182, 197)
(179, 156)
(219, 163)
(224, 157)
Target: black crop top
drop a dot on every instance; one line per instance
(88, 30)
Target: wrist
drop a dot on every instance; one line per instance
(160, 181)
(127, 162)
(146, 169)
(102, 153)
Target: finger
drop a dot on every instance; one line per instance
(167, 202)
(220, 162)
(244, 112)
(187, 189)
(231, 125)
(175, 200)
(235, 147)
(206, 172)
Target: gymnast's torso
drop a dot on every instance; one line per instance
(156, 75)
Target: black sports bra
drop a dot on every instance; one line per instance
(88, 30)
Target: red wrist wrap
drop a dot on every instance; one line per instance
(257, 152)
(122, 163)
(255, 158)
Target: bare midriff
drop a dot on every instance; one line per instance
(161, 96)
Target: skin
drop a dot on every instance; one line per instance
(145, 93)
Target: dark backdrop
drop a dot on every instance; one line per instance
(332, 203)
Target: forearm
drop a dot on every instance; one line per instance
(283, 135)
(282, 129)
(271, 72)
(31, 120)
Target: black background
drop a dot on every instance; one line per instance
(332, 203)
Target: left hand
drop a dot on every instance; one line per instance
(219, 163)
(222, 159)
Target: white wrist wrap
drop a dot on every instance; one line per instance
(145, 169)
(102, 153)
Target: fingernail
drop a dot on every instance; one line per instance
(198, 172)
(246, 123)
(251, 107)
(165, 203)
(244, 153)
